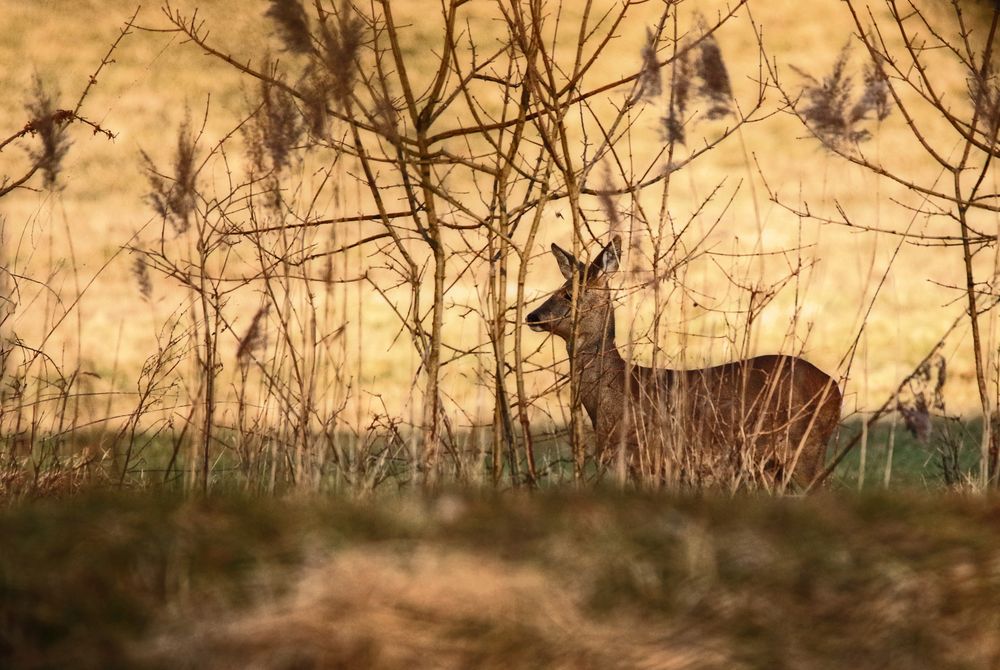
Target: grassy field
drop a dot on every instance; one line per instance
(452, 580)
(173, 496)
(884, 457)
(204, 464)
(890, 457)
(71, 233)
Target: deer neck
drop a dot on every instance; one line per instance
(598, 364)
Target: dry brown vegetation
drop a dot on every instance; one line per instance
(427, 609)
(304, 257)
(513, 581)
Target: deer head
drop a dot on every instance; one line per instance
(587, 287)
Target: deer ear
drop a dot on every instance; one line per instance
(567, 263)
(607, 260)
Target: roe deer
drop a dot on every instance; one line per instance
(759, 420)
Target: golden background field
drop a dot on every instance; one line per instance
(65, 237)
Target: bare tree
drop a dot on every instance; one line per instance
(909, 50)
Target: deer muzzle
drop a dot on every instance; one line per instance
(534, 321)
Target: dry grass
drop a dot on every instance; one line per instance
(115, 327)
(560, 581)
(430, 608)
(148, 88)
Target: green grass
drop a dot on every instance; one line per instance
(948, 457)
(915, 464)
(475, 580)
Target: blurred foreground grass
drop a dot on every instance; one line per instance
(558, 579)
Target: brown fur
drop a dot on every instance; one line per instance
(757, 421)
